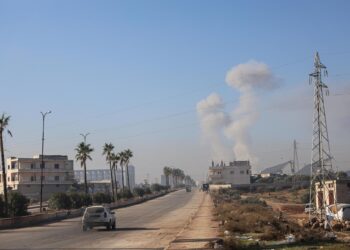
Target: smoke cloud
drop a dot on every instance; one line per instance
(212, 120)
(246, 78)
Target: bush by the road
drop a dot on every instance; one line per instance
(79, 200)
(18, 204)
(60, 201)
(126, 194)
(157, 187)
(101, 198)
(139, 191)
(2, 206)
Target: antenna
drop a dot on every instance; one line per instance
(321, 159)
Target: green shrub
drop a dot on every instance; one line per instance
(2, 207)
(148, 190)
(101, 198)
(126, 194)
(18, 204)
(86, 199)
(76, 200)
(139, 191)
(253, 200)
(60, 201)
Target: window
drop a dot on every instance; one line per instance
(57, 185)
(43, 177)
(32, 178)
(232, 172)
(241, 172)
(42, 166)
(32, 165)
(247, 171)
(28, 185)
(57, 178)
(57, 165)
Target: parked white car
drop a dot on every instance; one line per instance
(96, 216)
(341, 212)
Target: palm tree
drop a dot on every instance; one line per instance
(83, 154)
(167, 172)
(108, 151)
(4, 122)
(115, 160)
(128, 155)
(122, 160)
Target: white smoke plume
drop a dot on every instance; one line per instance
(246, 78)
(212, 120)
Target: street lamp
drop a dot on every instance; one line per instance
(42, 160)
(85, 135)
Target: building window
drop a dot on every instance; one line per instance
(32, 178)
(43, 177)
(28, 186)
(247, 171)
(57, 185)
(57, 178)
(57, 166)
(42, 166)
(32, 165)
(232, 172)
(8, 166)
(242, 172)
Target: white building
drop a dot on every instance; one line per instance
(236, 173)
(23, 175)
(95, 175)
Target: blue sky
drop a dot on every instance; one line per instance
(131, 72)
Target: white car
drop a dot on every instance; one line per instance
(96, 216)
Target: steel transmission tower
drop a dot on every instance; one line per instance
(321, 160)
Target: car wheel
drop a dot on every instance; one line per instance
(108, 227)
(114, 225)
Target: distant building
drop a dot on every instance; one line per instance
(280, 169)
(334, 191)
(163, 180)
(23, 175)
(236, 173)
(96, 175)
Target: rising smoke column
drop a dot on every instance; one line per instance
(212, 120)
(246, 78)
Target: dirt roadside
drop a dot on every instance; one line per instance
(201, 229)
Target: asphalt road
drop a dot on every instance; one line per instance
(150, 225)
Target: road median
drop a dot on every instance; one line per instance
(53, 216)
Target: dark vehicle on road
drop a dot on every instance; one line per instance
(205, 187)
(188, 189)
(96, 216)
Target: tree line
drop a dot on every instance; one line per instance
(178, 175)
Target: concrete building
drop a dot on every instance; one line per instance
(235, 173)
(23, 175)
(334, 191)
(96, 175)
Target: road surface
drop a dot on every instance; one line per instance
(150, 225)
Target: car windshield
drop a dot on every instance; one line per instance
(95, 210)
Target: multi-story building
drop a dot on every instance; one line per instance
(236, 173)
(23, 175)
(93, 175)
(333, 191)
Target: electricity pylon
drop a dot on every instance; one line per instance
(295, 163)
(321, 159)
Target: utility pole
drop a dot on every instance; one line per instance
(84, 136)
(321, 159)
(42, 160)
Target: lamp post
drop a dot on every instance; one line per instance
(42, 160)
(85, 135)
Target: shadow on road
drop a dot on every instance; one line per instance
(129, 229)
